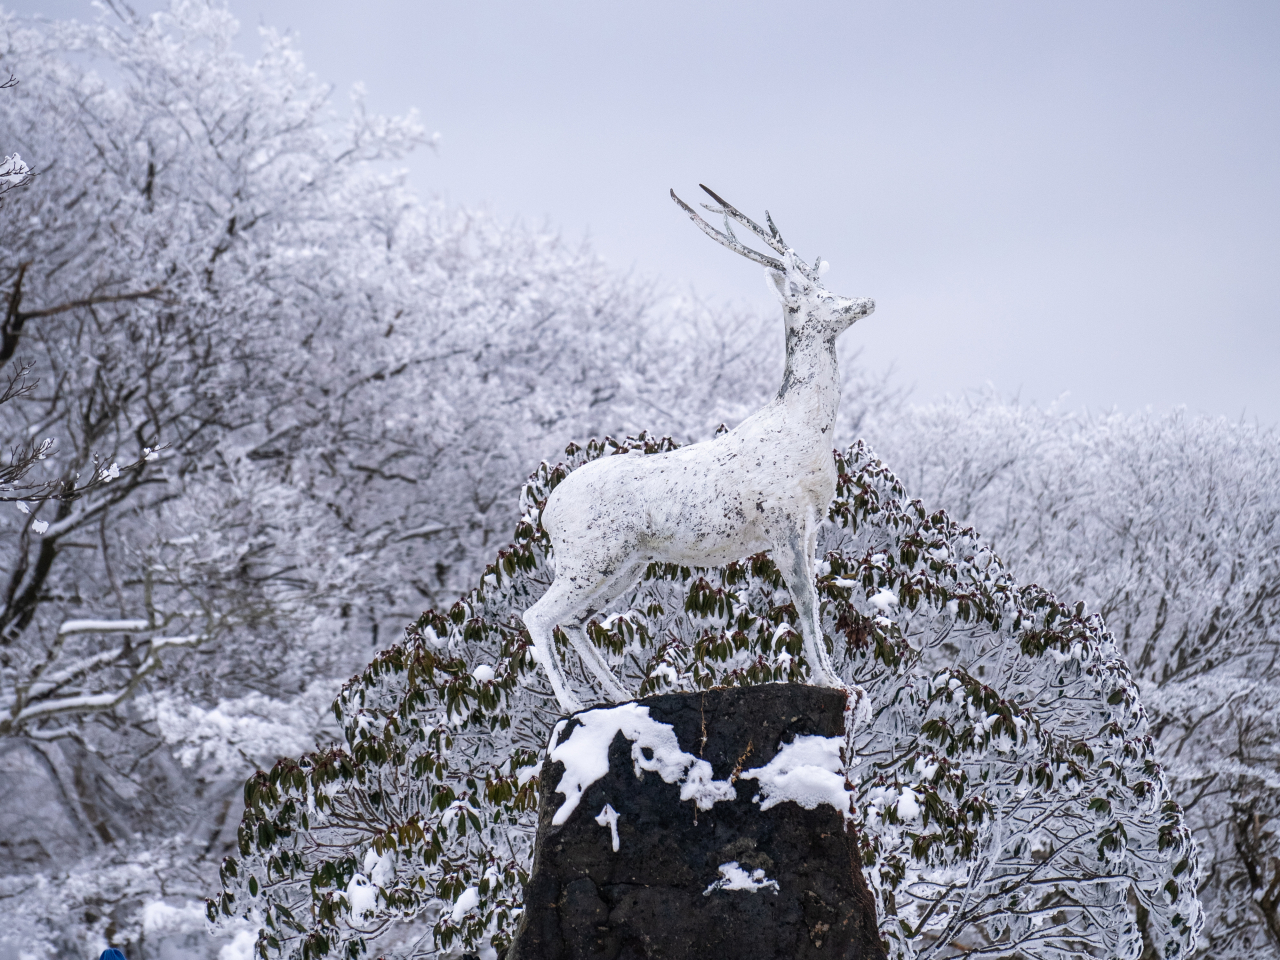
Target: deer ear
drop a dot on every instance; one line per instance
(776, 282)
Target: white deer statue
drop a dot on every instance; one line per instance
(765, 485)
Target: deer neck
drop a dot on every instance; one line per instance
(810, 391)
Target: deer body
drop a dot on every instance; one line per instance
(765, 485)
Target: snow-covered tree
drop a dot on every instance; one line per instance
(1169, 526)
(142, 298)
(1009, 798)
(290, 406)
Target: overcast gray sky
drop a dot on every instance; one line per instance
(1055, 198)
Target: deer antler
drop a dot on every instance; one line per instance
(772, 236)
(727, 239)
(727, 210)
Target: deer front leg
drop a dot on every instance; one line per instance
(540, 630)
(793, 555)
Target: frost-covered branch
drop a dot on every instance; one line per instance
(72, 683)
(13, 172)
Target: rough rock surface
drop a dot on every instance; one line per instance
(651, 899)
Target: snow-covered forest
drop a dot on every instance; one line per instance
(264, 406)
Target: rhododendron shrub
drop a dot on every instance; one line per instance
(1008, 796)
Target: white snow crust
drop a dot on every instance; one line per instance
(609, 818)
(885, 600)
(654, 747)
(733, 877)
(159, 917)
(13, 171)
(908, 804)
(103, 626)
(380, 869)
(807, 771)
(362, 896)
(243, 947)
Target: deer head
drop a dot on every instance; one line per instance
(796, 284)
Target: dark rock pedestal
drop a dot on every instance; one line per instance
(650, 899)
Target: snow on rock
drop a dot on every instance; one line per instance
(733, 877)
(771, 863)
(808, 771)
(609, 818)
(654, 747)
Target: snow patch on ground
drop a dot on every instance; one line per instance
(160, 917)
(241, 948)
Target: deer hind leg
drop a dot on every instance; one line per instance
(596, 597)
(793, 555)
(590, 655)
(569, 602)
